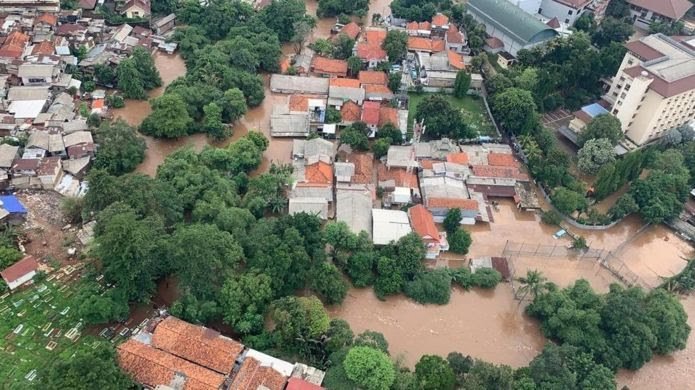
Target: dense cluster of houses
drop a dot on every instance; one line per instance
(39, 99)
(172, 354)
(437, 176)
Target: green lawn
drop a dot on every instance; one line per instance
(33, 320)
(472, 108)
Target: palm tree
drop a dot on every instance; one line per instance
(534, 282)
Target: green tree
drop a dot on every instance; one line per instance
(146, 68)
(244, 299)
(333, 115)
(568, 201)
(389, 280)
(169, 118)
(9, 256)
(394, 82)
(515, 110)
(567, 367)
(339, 335)
(603, 126)
(485, 375)
(441, 119)
(462, 83)
(625, 205)
(369, 368)
(594, 154)
(372, 339)
(323, 47)
(121, 150)
(343, 46)
(129, 80)
(89, 368)
(380, 147)
(356, 135)
(299, 321)
(130, 250)
(213, 122)
(430, 287)
(452, 221)
(281, 16)
(390, 131)
(486, 278)
(612, 30)
(396, 45)
(669, 321)
(105, 74)
(354, 65)
(204, 257)
(327, 281)
(360, 268)
(460, 241)
(533, 283)
(96, 307)
(233, 105)
(433, 372)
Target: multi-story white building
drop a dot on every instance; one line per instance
(654, 88)
(566, 11)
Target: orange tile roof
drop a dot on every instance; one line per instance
(501, 172)
(14, 45)
(375, 36)
(426, 164)
(319, 173)
(376, 88)
(419, 43)
(301, 384)
(501, 160)
(350, 112)
(451, 203)
(49, 19)
(351, 29)
(457, 158)
(253, 376)
(364, 167)
(438, 45)
(370, 112)
(152, 367)
(299, 103)
(368, 51)
(342, 82)
(423, 223)
(98, 103)
(329, 66)
(440, 20)
(412, 26)
(45, 47)
(372, 77)
(454, 35)
(455, 60)
(424, 25)
(399, 175)
(388, 115)
(197, 344)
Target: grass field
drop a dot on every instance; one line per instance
(472, 108)
(39, 325)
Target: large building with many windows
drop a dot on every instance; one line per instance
(654, 88)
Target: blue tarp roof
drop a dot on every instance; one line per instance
(594, 110)
(12, 204)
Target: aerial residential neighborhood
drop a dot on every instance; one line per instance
(331, 194)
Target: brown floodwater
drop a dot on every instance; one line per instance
(484, 324)
(323, 25)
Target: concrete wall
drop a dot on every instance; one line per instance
(21, 280)
(553, 9)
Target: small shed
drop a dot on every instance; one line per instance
(12, 210)
(20, 272)
(389, 225)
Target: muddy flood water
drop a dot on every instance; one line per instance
(489, 325)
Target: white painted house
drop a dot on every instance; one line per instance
(20, 272)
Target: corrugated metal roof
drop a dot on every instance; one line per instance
(509, 18)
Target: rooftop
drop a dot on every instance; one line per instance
(351, 29)
(354, 208)
(364, 167)
(329, 65)
(19, 269)
(372, 77)
(389, 225)
(674, 9)
(197, 344)
(514, 22)
(254, 376)
(350, 112)
(370, 113)
(423, 223)
(319, 173)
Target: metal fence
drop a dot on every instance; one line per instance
(512, 248)
(616, 266)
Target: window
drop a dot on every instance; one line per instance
(540, 10)
(627, 87)
(615, 112)
(567, 21)
(623, 95)
(569, 12)
(620, 102)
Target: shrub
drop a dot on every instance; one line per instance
(551, 217)
(486, 278)
(460, 241)
(430, 287)
(462, 277)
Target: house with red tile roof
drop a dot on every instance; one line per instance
(43, 48)
(301, 384)
(370, 114)
(252, 375)
(422, 29)
(14, 45)
(369, 49)
(372, 77)
(426, 45)
(388, 115)
(329, 67)
(20, 272)
(455, 39)
(350, 112)
(351, 30)
(377, 92)
(423, 224)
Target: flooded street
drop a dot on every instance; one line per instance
(484, 324)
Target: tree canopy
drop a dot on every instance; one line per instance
(603, 126)
(440, 118)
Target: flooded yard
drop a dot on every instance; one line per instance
(488, 325)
